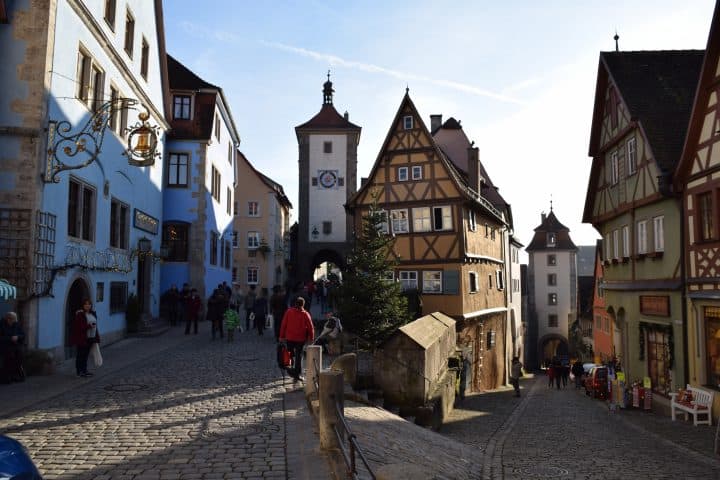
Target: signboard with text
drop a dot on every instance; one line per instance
(147, 223)
(658, 305)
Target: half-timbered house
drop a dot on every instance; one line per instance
(698, 178)
(642, 106)
(449, 236)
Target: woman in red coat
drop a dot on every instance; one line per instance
(297, 329)
(83, 334)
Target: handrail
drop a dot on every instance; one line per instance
(349, 437)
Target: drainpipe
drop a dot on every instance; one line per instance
(683, 296)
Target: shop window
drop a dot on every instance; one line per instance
(175, 237)
(712, 345)
(658, 358)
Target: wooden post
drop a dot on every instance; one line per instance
(331, 391)
(313, 355)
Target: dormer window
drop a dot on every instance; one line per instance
(408, 122)
(551, 239)
(181, 107)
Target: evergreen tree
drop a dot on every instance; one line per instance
(368, 304)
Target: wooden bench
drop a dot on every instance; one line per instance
(700, 404)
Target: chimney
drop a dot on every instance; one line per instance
(474, 168)
(435, 122)
(543, 217)
(363, 181)
(347, 116)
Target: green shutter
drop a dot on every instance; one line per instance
(451, 282)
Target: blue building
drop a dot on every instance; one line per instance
(199, 185)
(77, 219)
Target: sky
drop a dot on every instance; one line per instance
(519, 76)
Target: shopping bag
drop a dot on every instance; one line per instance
(283, 356)
(96, 355)
(269, 321)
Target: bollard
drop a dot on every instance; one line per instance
(313, 354)
(331, 390)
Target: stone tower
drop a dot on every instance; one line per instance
(327, 146)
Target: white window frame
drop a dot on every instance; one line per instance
(445, 218)
(252, 275)
(402, 174)
(417, 172)
(472, 222)
(608, 246)
(384, 225)
(389, 276)
(616, 243)
(422, 219)
(473, 286)
(642, 237)
(399, 224)
(614, 168)
(253, 240)
(500, 279)
(659, 233)
(626, 241)
(408, 279)
(408, 122)
(432, 281)
(253, 208)
(631, 150)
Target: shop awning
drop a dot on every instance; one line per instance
(7, 291)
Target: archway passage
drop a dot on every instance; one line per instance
(332, 257)
(79, 290)
(554, 347)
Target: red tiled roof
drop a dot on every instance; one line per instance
(327, 117)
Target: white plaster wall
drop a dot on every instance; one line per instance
(542, 289)
(326, 204)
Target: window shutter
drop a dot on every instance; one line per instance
(451, 282)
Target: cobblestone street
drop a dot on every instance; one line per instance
(200, 409)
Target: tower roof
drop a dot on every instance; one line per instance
(550, 224)
(328, 117)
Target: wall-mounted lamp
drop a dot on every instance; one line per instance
(142, 140)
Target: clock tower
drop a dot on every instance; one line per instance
(327, 145)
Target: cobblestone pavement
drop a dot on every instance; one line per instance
(200, 409)
(548, 433)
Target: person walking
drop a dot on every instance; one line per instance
(565, 373)
(261, 311)
(278, 306)
(193, 306)
(297, 329)
(12, 339)
(550, 373)
(515, 374)
(577, 371)
(249, 306)
(216, 306)
(172, 302)
(84, 333)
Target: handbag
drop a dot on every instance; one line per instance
(96, 355)
(269, 321)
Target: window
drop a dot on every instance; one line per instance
(215, 188)
(327, 228)
(472, 223)
(235, 238)
(551, 239)
(118, 296)
(552, 298)
(399, 220)
(705, 216)
(490, 282)
(252, 276)
(175, 236)
(642, 236)
(402, 174)
(608, 247)
(389, 276)
(626, 241)
(487, 230)
(408, 280)
(114, 96)
(614, 171)
(253, 209)
(432, 282)
(178, 170)
(421, 219)
(110, 13)
(490, 340)
(552, 279)
(119, 224)
(123, 121)
(552, 320)
(98, 88)
(327, 147)
(228, 258)
(631, 157)
(91, 81)
(213, 248)
(408, 122)
(84, 65)
(144, 58)
(235, 208)
(230, 153)
(500, 279)
(473, 282)
(442, 218)
(228, 209)
(253, 239)
(712, 345)
(384, 221)
(217, 127)
(616, 243)
(181, 107)
(417, 172)
(81, 211)
(659, 233)
(129, 33)
(551, 260)
(234, 274)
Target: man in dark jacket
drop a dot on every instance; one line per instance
(277, 308)
(12, 339)
(577, 371)
(296, 330)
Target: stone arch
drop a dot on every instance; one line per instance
(552, 345)
(327, 255)
(78, 290)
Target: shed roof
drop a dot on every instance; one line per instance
(428, 329)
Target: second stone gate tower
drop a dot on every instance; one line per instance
(327, 145)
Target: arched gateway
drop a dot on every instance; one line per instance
(327, 145)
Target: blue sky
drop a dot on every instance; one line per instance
(519, 75)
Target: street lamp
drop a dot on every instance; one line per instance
(142, 140)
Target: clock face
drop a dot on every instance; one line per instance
(328, 178)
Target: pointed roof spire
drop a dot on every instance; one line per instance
(328, 91)
(551, 203)
(616, 37)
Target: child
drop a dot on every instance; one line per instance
(232, 320)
